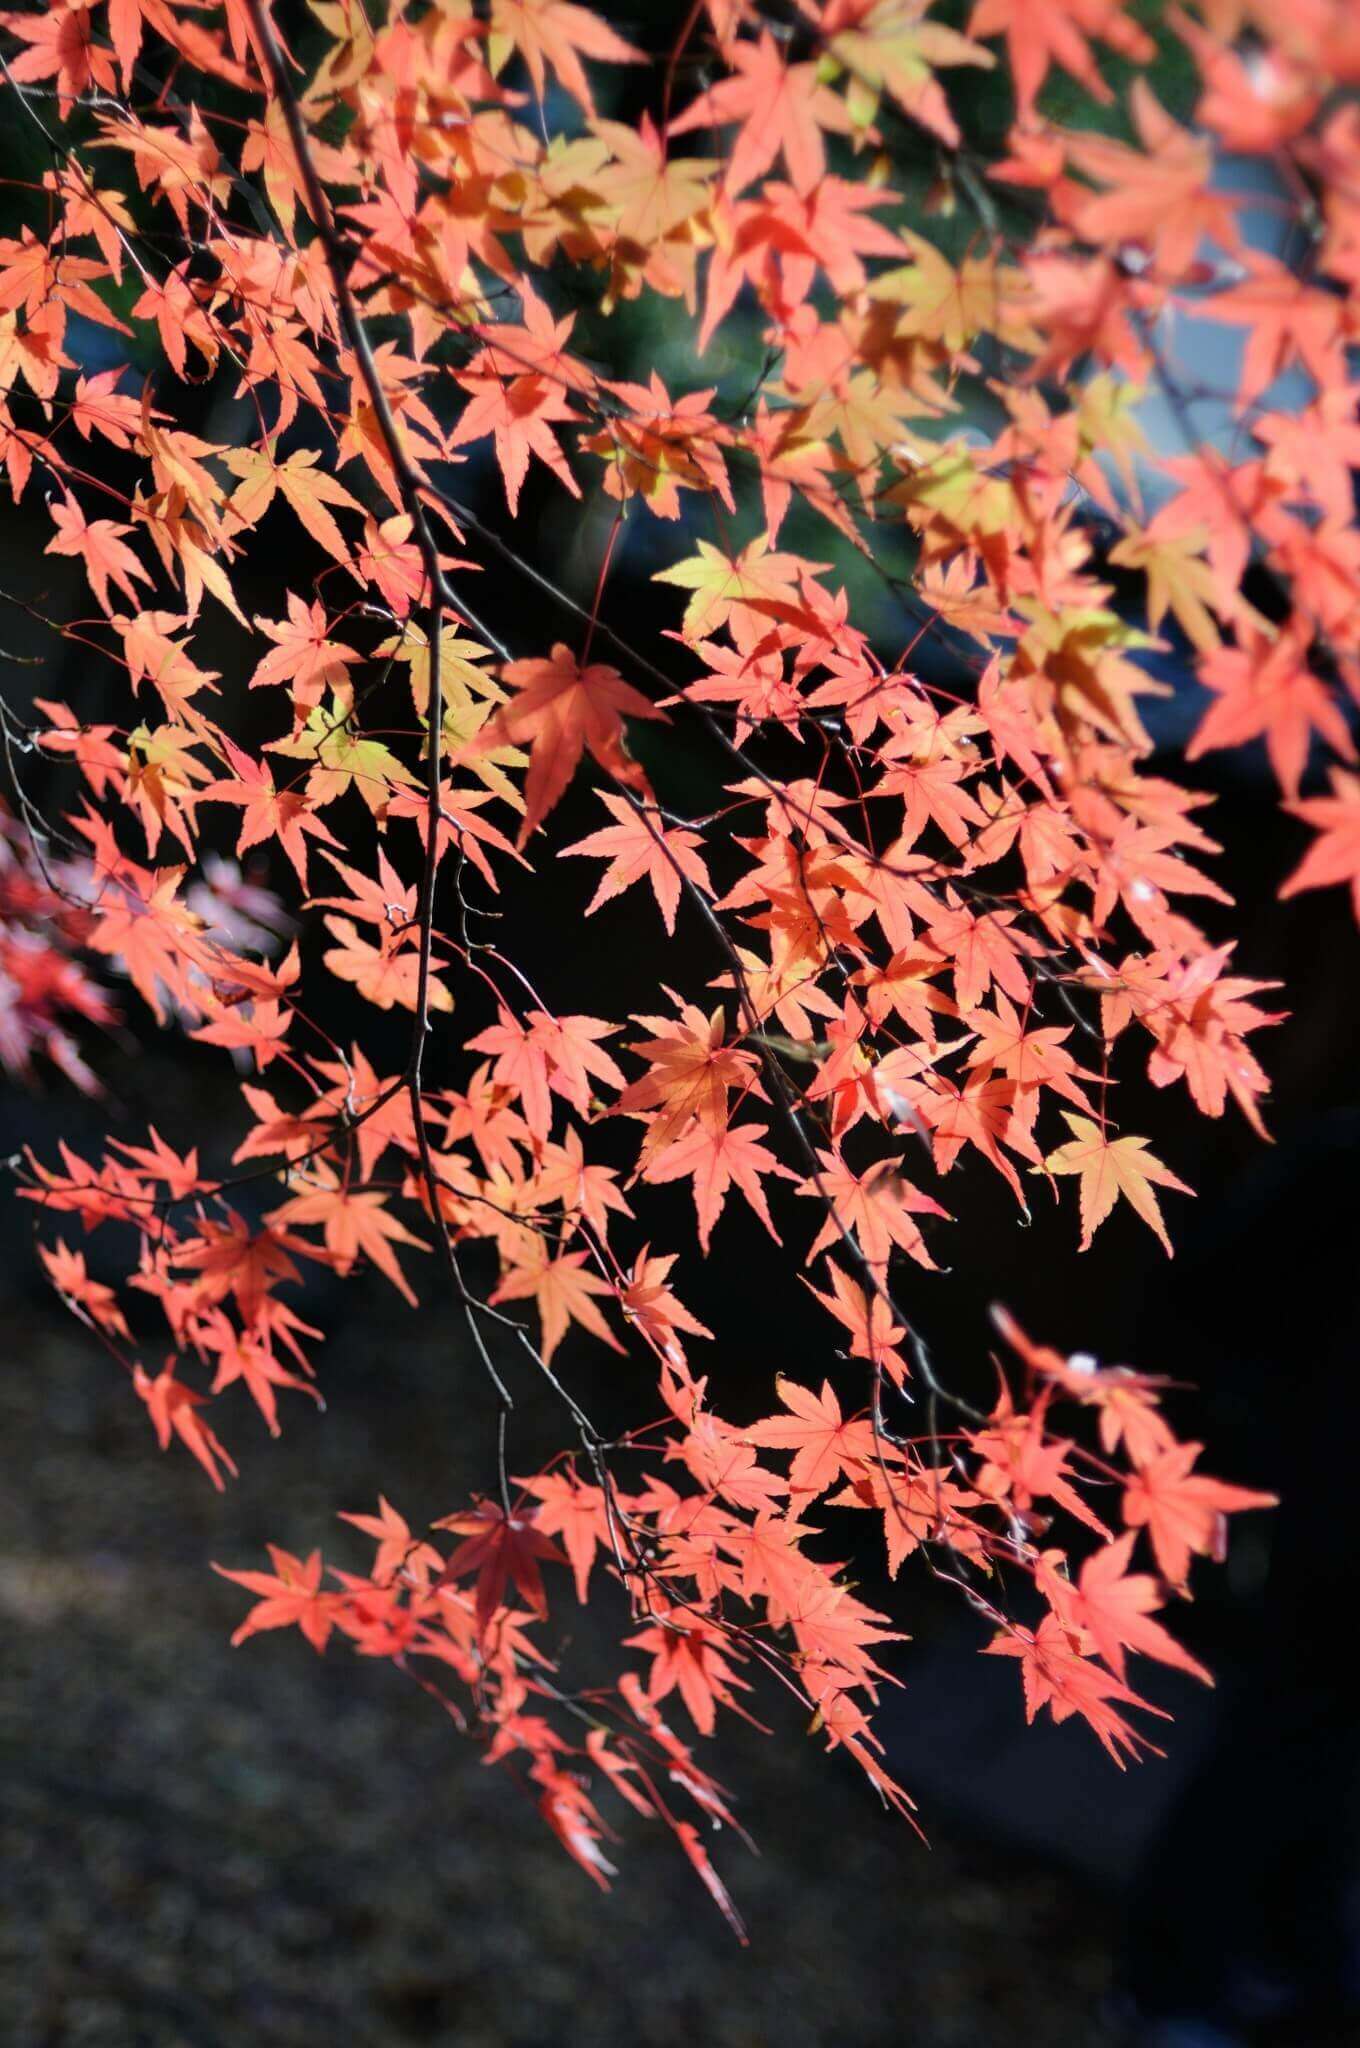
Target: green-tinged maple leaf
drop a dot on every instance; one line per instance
(724, 587)
(342, 759)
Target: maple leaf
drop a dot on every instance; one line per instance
(61, 46)
(88, 745)
(355, 1222)
(1041, 33)
(503, 1549)
(648, 1301)
(782, 108)
(268, 148)
(276, 1131)
(241, 1356)
(379, 1111)
(1116, 1607)
(97, 543)
(289, 1597)
(984, 1112)
(89, 1297)
(574, 1820)
(231, 1259)
(688, 1658)
(140, 922)
(691, 1072)
(386, 975)
(983, 950)
(1288, 318)
(557, 1053)
(458, 823)
(1158, 196)
(640, 848)
(734, 588)
(877, 1205)
(1111, 1167)
(1127, 1401)
(1055, 1675)
(578, 1513)
(660, 447)
(305, 656)
(887, 46)
(1265, 687)
(160, 1162)
(824, 1445)
(1022, 1463)
(922, 1505)
(1335, 856)
(873, 1333)
(562, 1290)
(174, 1411)
(774, 1566)
(556, 33)
(389, 557)
(383, 900)
(519, 413)
(267, 812)
(343, 759)
(306, 488)
(1199, 1019)
(1184, 1512)
(563, 711)
(1179, 579)
(715, 1160)
(398, 1550)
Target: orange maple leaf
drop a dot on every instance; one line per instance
(563, 710)
(355, 1221)
(96, 543)
(557, 33)
(824, 1445)
(782, 107)
(289, 1597)
(643, 848)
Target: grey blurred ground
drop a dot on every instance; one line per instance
(203, 1846)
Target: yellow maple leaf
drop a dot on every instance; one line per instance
(1111, 1167)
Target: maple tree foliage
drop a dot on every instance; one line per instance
(943, 903)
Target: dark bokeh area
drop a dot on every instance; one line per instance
(207, 1846)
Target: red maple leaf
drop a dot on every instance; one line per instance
(564, 711)
(1056, 1675)
(504, 1550)
(1184, 1512)
(289, 1597)
(1334, 857)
